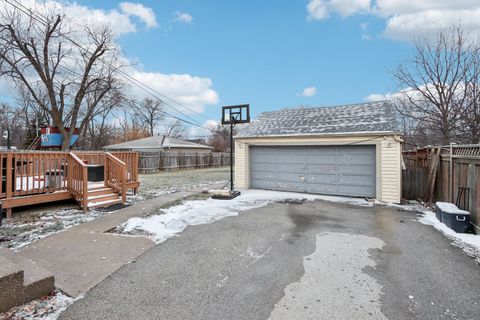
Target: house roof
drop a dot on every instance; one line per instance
(156, 142)
(365, 118)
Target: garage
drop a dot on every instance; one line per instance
(331, 170)
(350, 150)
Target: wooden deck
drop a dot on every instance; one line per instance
(31, 177)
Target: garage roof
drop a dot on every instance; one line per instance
(373, 117)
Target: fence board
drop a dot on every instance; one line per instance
(163, 160)
(465, 173)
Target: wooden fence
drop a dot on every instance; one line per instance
(456, 177)
(167, 160)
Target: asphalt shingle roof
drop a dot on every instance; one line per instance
(156, 142)
(348, 119)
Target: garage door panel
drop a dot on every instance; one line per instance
(322, 188)
(356, 169)
(361, 180)
(265, 175)
(263, 158)
(355, 149)
(290, 158)
(290, 168)
(321, 159)
(263, 167)
(321, 178)
(322, 150)
(291, 186)
(334, 170)
(265, 184)
(358, 191)
(291, 177)
(355, 159)
(321, 168)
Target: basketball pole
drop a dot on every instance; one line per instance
(231, 152)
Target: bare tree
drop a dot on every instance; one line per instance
(64, 72)
(100, 130)
(12, 123)
(131, 127)
(174, 129)
(150, 113)
(434, 82)
(470, 116)
(220, 137)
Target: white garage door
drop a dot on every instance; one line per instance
(332, 170)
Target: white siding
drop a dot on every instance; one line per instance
(390, 171)
(241, 165)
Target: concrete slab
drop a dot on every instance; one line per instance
(84, 255)
(80, 260)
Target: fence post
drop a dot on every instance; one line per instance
(450, 178)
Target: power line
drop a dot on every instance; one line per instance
(127, 77)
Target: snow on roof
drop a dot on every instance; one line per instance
(156, 142)
(373, 117)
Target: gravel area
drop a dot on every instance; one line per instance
(154, 184)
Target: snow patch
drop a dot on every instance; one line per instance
(470, 243)
(174, 220)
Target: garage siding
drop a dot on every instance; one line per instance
(333, 170)
(391, 173)
(388, 159)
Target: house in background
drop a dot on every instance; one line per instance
(352, 150)
(159, 143)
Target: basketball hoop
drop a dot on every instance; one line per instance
(232, 115)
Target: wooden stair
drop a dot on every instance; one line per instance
(102, 197)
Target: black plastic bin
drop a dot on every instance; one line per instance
(454, 218)
(95, 172)
(438, 213)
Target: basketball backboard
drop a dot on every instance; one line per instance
(236, 114)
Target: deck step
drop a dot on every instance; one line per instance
(21, 280)
(104, 204)
(100, 191)
(102, 198)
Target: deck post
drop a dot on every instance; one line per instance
(9, 183)
(85, 189)
(105, 170)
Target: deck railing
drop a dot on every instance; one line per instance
(131, 161)
(28, 173)
(78, 180)
(59, 174)
(116, 174)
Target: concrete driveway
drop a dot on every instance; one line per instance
(316, 260)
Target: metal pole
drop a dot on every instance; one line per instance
(231, 155)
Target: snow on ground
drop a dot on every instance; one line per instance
(174, 220)
(470, 243)
(46, 308)
(36, 222)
